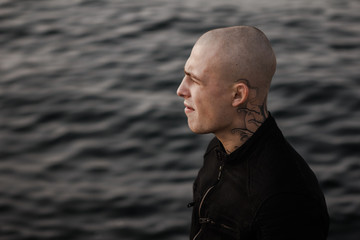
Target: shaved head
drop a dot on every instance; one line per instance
(240, 52)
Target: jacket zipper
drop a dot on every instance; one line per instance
(219, 176)
(201, 203)
(197, 234)
(203, 198)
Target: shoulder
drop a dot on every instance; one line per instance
(277, 168)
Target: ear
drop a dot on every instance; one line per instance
(240, 94)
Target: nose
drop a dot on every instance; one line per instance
(183, 90)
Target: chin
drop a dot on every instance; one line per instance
(198, 130)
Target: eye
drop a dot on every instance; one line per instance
(194, 80)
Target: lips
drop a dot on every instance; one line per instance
(188, 108)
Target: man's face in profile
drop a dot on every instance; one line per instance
(207, 98)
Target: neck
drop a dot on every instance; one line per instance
(246, 125)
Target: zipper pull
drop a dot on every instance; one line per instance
(191, 204)
(220, 171)
(206, 220)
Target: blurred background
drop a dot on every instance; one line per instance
(94, 142)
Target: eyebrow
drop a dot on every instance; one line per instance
(192, 75)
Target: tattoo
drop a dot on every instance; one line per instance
(252, 114)
(243, 132)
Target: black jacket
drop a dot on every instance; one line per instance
(263, 190)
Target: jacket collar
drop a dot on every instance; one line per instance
(268, 128)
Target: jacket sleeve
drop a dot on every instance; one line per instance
(291, 217)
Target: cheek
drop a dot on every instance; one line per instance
(222, 106)
(211, 103)
(212, 109)
(220, 99)
(204, 102)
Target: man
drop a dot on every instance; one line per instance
(253, 184)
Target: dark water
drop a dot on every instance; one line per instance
(93, 140)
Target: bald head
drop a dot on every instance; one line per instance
(240, 52)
